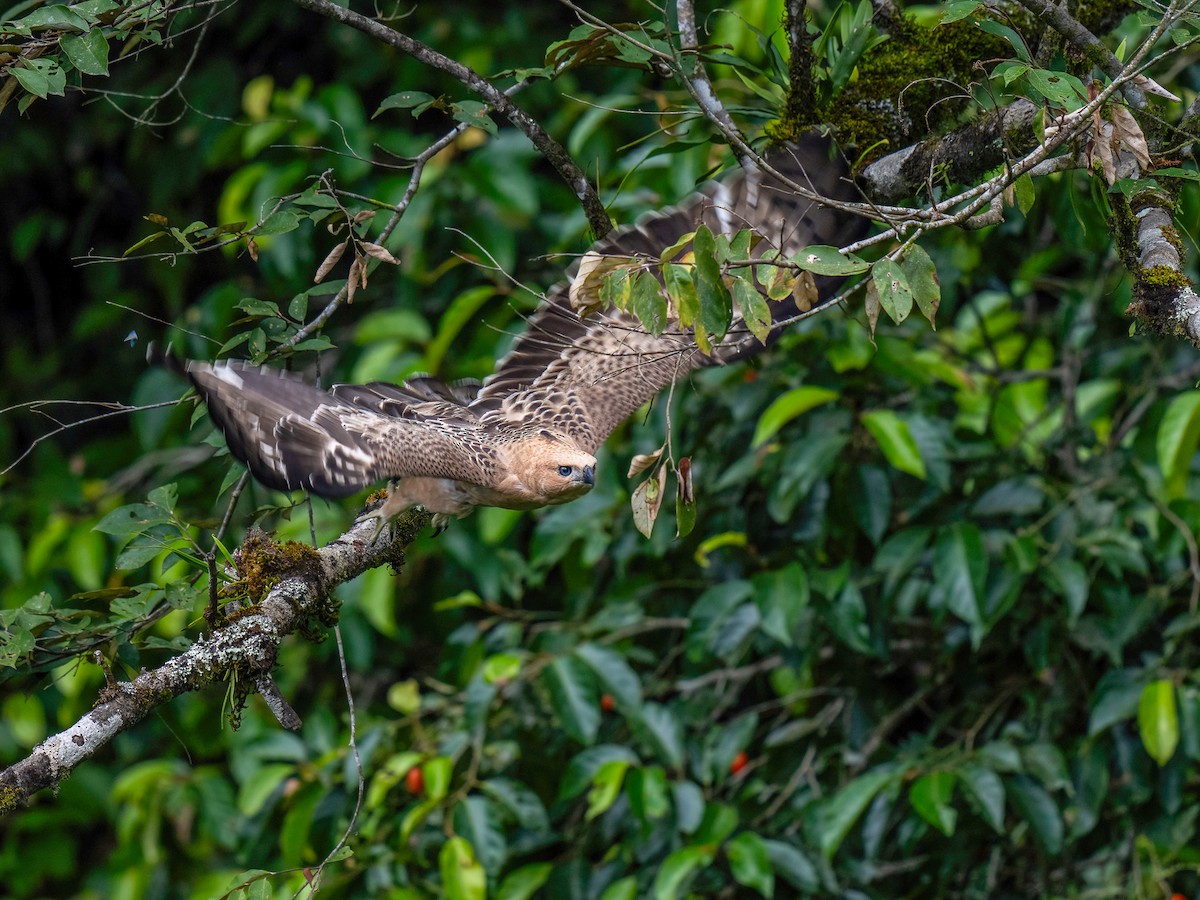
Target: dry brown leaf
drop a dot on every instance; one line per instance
(644, 461)
(375, 251)
(356, 269)
(1129, 134)
(331, 260)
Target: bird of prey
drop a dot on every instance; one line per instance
(527, 436)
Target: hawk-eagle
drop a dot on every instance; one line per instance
(526, 437)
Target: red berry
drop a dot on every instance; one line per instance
(415, 781)
(739, 762)
(607, 703)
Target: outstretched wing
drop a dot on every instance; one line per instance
(583, 376)
(292, 435)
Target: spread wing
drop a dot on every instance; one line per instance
(583, 376)
(293, 435)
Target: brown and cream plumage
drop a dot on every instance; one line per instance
(527, 436)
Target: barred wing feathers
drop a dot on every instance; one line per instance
(583, 376)
(292, 435)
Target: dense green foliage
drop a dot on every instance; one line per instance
(931, 634)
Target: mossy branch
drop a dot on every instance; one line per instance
(246, 646)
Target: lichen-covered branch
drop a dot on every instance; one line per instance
(554, 152)
(1164, 299)
(961, 155)
(244, 648)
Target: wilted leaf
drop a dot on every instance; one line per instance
(647, 501)
(643, 461)
(331, 260)
(375, 251)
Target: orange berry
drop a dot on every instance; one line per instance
(739, 762)
(607, 703)
(415, 781)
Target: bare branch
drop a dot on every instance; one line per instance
(550, 148)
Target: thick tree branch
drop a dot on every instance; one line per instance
(247, 646)
(554, 152)
(963, 154)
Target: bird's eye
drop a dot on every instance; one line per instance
(565, 471)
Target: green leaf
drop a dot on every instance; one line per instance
(821, 259)
(1176, 441)
(1069, 579)
(614, 674)
(1023, 188)
(660, 729)
(1158, 721)
(606, 787)
(625, 889)
(574, 698)
(752, 304)
(930, 796)
(786, 407)
(437, 772)
(960, 570)
(677, 868)
(648, 303)
(1058, 87)
(578, 775)
(894, 438)
(716, 306)
(472, 112)
(475, 820)
(959, 9)
(88, 52)
(524, 882)
(685, 499)
(279, 222)
(793, 866)
(987, 789)
(719, 823)
(681, 288)
(649, 793)
(923, 280)
(404, 100)
(1115, 700)
(463, 877)
(132, 519)
(1038, 809)
(261, 785)
(837, 815)
(750, 864)
(895, 295)
(519, 802)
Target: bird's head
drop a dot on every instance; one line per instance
(555, 469)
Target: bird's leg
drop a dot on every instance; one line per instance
(440, 522)
(385, 513)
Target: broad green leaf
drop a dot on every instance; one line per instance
(279, 222)
(519, 802)
(930, 796)
(677, 868)
(649, 793)
(463, 877)
(476, 820)
(133, 519)
(614, 674)
(661, 729)
(824, 260)
(261, 785)
(750, 864)
(1023, 188)
(793, 866)
(894, 438)
(753, 305)
(574, 698)
(895, 295)
(524, 882)
(960, 570)
(87, 52)
(959, 9)
(1070, 579)
(719, 823)
(583, 766)
(685, 499)
(625, 889)
(923, 280)
(473, 112)
(648, 303)
(986, 788)
(786, 407)
(437, 772)
(1158, 721)
(716, 306)
(1058, 87)
(606, 787)
(404, 100)
(1038, 809)
(1115, 700)
(837, 815)
(1176, 441)
(682, 290)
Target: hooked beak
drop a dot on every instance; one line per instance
(589, 476)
